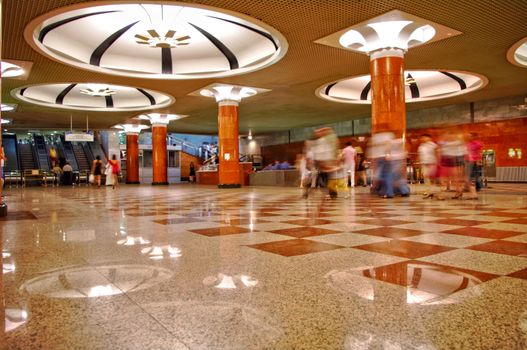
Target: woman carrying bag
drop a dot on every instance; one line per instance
(114, 163)
(96, 170)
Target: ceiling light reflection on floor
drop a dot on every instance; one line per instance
(14, 318)
(95, 281)
(424, 284)
(158, 252)
(224, 281)
(131, 240)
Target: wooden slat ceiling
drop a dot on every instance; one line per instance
(490, 28)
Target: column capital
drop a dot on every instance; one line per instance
(228, 103)
(158, 119)
(227, 92)
(131, 128)
(391, 52)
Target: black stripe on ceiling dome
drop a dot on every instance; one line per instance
(97, 54)
(364, 93)
(414, 89)
(44, 31)
(460, 81)
(148, 96)
(60, 98)
(109, 101)
(166, 60)
(233, 61)
(262, 33)
(328, 88)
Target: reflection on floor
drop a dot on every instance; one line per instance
(194, 267)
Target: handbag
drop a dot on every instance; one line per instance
(91, 178)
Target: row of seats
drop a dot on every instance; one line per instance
(37, 176)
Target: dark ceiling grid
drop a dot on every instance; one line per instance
(489, 29)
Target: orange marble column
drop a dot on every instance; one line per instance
(388, 108)
(159, 154)
(229, 165)
(2, 299)
(132, 158)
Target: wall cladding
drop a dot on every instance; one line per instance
(484, 111)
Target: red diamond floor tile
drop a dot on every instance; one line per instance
(221, 231)
(519, 274)
(294, 247)
(391, 232)
(404, 249)
(428, 277)
(308, 222)
(507, 214)
(459, 222)
(301, 232)
(482, 232)
(516, 221)
(243, 221)
(383, 222)
(502, 247)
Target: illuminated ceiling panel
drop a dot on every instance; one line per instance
(420, 85)
(156, 40)
(93, 97)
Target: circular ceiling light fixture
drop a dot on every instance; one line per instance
(420, 85)
(161, 40)
(97, 90)
(7, 107)
(5, 121)
(93, 97)
(10, 70)
(517, 54)
(168, 41)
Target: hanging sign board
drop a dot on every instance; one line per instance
(79, 136)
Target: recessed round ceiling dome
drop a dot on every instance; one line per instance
(10, 70)
(517, 54)
(93, 97)
(167, 40)
(420, 85)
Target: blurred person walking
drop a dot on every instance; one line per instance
(474, 165)
(325, 156)
(114, 163)
(96, 170)
(349, 156)
(428, 158)
(379, 153)
(453, 150)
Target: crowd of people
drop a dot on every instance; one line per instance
(65, 175)
(453, 163)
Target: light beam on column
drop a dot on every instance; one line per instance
(228, 98)
(132, 150)
(159, 124)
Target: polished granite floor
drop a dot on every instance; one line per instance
(194, 267)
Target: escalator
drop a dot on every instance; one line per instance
(41, 153)
(96, 150)
(11, 153)
(87, 151)
(27, 160)
(66, 148)
(82, 161)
